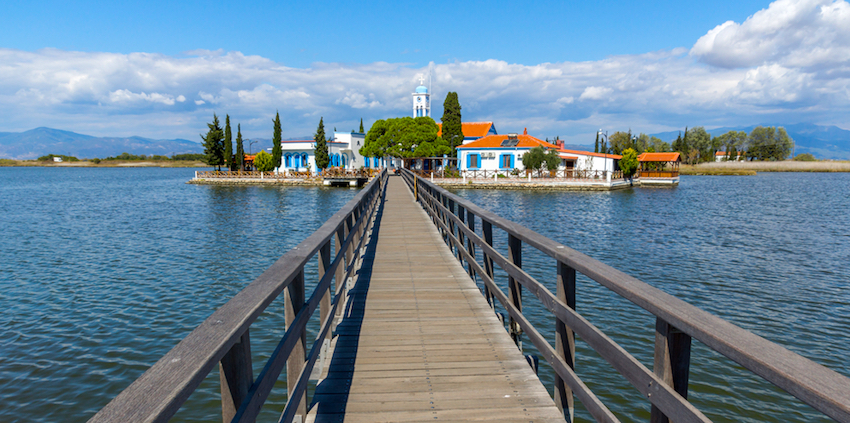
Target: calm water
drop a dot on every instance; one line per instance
(104, 270)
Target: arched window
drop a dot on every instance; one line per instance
(342, 158)
(377, 161)
(304, 162)
(367, 161)
(287, 160)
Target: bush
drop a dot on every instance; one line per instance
(264, 161)
(629, 162)
(805, 157)
(189, 156)
(95, 160)
(49, 158)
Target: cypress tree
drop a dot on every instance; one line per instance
(321, 149)
(596, 145)
(361, 126)
(452, 126)
(213, 147)
(228, 144)
(277, 153)
(239, 162)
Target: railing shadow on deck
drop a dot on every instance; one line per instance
(331, 395)
(223, 338)
(677, 322)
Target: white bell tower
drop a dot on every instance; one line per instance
(421, 100)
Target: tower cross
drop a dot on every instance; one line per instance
(421, 80)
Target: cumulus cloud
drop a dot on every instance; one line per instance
(788, 62)
(793, 33)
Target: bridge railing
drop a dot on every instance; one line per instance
(677, 322)
(223, 338)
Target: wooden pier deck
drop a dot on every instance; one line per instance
(418, 341)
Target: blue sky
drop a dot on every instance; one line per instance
(160, 69)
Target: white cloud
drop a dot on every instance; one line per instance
(798, 70)
(795, 33)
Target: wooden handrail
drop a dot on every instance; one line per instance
(158, 393)
(677, 321)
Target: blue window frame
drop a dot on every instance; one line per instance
(287, 160)
(473, 161)
(367, 161)
(342, 160)
(506, 161)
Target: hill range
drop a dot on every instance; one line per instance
(824, 142)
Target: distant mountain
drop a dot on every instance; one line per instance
(42, 141)
(824, 142)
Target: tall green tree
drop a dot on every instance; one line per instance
(596, 145)
(213, 144)
(320, 151)
(769, 143)
(277, 152)
(700, 140)
(629, 162)
(228, 144)
(239, 162)
(452, 126)
(361, 126)
(619, 142)
(404, 137)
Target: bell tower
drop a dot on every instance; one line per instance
(421, 100)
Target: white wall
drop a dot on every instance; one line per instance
(488, 163)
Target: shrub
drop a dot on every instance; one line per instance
(264, 161)
(805, 157)
(95, 160)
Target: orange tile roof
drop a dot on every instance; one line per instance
(658, 157)
(470, 129)
(568, 157)
(493, 141)
(590, 153)
(723, 153)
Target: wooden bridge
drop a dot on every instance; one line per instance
(405, 333)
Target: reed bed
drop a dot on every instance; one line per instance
(737, 168)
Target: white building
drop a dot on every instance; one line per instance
(504, 153)
(421, 101)
(344, 152)
(720, 156)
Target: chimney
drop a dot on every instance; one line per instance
(560, 144)
(525, 131)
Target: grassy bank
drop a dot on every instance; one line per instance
(104, 163)
(751, 168)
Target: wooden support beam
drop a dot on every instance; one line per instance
(293, 298)
(672, 362)
(325, 302)
(236, 376)
(487, 228)
(565, 343)
(515, 255)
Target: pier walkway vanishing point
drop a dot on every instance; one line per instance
(404, 333)
(420, 342)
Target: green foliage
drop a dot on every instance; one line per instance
(132, 157)
(95, 160)
(192, 157)
(239, 161)
(263, 161)
(452, 126)
(700, 140)
(805, 157)
(732, 153)
(629, 162)
(49, 158)
(213, 144)
(277, 152)
(619, 142)
(228, 144)
(361, 126)
(769, 143)
(538, 157)
(320, 150)
(658, 146)
(596, 145)
(404, 137)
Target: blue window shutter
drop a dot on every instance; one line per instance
(367, 161)
(468, 161)
(512, 161)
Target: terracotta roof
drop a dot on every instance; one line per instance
(568, 157)
(658, 157)
(494, 141)
(590, 153)
(470, 129)
(723, 153)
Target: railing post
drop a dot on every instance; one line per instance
(672, 362)
(293, 298)
(470, 246)
(325, 302)
(339, 283)
(487, 229)
(451, 225)
(461, 214)
(565, 344)
(236, 376)
(515, 254)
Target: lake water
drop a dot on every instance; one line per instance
(104, 270)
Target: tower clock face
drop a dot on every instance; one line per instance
(419, 99)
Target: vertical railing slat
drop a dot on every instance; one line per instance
(565, 343)
(487, 229)
(293, 298)
(515, 289)
(236, 376)
(672, 362)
